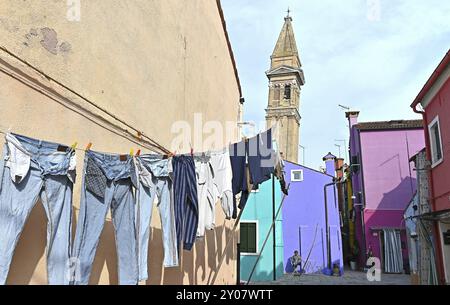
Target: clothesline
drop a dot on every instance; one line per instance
(3, 131)
(184, 185)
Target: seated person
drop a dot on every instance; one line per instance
(296, 260)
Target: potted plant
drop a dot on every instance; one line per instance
(354, 257)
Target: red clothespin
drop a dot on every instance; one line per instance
(88, 147)
(138, 153)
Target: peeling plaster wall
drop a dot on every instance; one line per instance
(150, 62)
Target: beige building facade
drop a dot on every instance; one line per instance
(68, 73)
(285, 80)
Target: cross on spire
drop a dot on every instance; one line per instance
(288, 12)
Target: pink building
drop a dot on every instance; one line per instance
(434, 99)
(383, 185)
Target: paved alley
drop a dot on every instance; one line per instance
(349, 278)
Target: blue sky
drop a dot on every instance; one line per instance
(373, 56)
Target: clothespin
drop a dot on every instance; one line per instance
(88, 147)
(131, 152)
(74, 145)
(139, 135)
(192, 150)
(138, 153)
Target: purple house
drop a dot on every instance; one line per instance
(309, 209)
(383, 184)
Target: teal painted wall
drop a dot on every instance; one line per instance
(259, 208)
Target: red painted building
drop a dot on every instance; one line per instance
(433, 102)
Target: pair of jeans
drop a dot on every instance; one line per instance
(154, 181)
(107, 184)
(30, 170)
(185, 200)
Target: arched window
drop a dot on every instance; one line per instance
(287, 92)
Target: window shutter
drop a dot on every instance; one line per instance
(252, 237)
(244, 237)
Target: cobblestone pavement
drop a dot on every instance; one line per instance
(349, 278)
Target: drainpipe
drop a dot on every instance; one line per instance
(432, 199)
(274, 219)
(327, 227)
(238, 264)
(362, 205)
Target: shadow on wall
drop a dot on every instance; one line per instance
(264, 276)
(30, 253)
(389, 214)
(400, 196)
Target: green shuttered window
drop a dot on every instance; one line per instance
(249, 237)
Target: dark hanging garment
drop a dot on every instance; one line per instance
(261, 158)
(252, 162)
(185, 200)
(238, 166)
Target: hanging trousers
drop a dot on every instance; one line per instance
(30, 170)
(107, 184)
(185, 200)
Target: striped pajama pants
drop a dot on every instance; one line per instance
(185, 200)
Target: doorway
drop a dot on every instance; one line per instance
(391, 251)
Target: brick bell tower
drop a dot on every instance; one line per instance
(285, 81)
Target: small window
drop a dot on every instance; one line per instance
(287, 92)
(297, 175)
(434, 132)
(248, 238)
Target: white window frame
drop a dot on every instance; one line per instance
(293, 176)
(257, 238)
(432, 147)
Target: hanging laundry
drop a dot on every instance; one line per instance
(261, 158)
(280, 173)
(107, 184)
(253, 162)
(32, 169)
(205, 190)
(182, 169)
(154, 182)
(238, 160)
(223, 175)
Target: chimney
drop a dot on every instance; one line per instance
(329, 164)
(352, 117)
(339, 167)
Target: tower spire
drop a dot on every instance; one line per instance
(285, 81)
(286, 45)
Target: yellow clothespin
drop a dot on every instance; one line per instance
(131, 152)
(74, 145)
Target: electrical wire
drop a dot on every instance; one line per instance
(140, 134)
